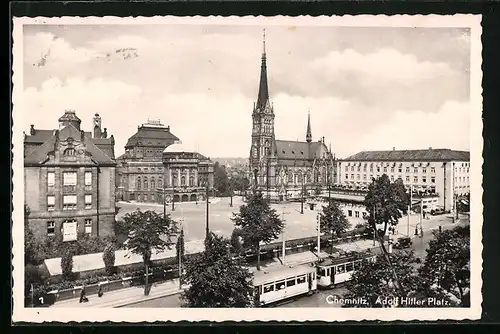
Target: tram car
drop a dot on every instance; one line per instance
(333, 271)
(283, 283)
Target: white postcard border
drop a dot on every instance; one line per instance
(38, 315)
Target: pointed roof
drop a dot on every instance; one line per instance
(40, 154)
(308, 134)
(263, 97)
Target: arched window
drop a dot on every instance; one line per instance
(183, 180)
(174, 180)
(145, 184)
(160, 182)
(191, 180)
(153, 186)
(139, 183)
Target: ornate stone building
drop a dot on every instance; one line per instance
(282, 168)
(186, 174)
(140, 169)
(69, 180)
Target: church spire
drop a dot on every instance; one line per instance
(308, 134)
(263, 96)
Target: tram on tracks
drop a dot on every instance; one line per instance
(333, 271)
(285, 282)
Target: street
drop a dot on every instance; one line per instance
(168, 301)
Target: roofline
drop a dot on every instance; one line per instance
(40, 164)
(401, 160)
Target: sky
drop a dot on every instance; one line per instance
(365, 88)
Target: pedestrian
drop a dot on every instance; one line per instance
(100, 292)
(83, 297)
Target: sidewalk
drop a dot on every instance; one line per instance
(123, 297)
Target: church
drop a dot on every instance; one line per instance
(283, 169)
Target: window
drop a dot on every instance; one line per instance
(371, 168)
(407, 169)
(145, 184)
(301, 280)
(433, 170)
(290, 282)
(280, 285)
(51, 203)
(88, 226)
(424, 179)
(357, 177)
(415, 170)
(392, 169)
(69, 202)
(433, 179)
(400, 170)
(385, 169)
(183, 180)
(153, 185)
(371, 176)
(138, 183)
(407, 178)
(341, 269)
(88, 201)
(352, 168)
(349, 267)
(347, 176)
(346, 168)
(364, 168)
(349, 213)
(268, 288)
(415, 179)
(359, 168)
(51, 228)
(352, 176)
(69, 178)
(364, 176)
(378, 169)
(51, 179)
(392, 178)
(69, 152)
(88, 178)
(356, 213)
(424, 170)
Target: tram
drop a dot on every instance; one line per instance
(334, 271)
(279, 284)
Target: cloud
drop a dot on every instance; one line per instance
(113, 100)
(384, 65)
(449, 128)
(56, 51)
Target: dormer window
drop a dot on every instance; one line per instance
(301, 152)
(293, 152)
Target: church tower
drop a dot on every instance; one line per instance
(308, 133)
(262, 153)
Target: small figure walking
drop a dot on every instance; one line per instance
(100, 292)
(83, 297)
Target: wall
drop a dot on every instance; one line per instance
(32, 187)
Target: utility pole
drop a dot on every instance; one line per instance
(319, 234)
(207, 230)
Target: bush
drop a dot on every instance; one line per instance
(108, 256)
(67, 265)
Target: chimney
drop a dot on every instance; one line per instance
(168, 128)
(394, 148)
(32, 130)
(105, 133)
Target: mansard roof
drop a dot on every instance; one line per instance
(151, 136)
(411, 155)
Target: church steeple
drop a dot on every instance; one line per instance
(308, 134)
(263, 96)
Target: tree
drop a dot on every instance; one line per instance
(385, 203)
(33, 251)
(221, 181)
(215, 279)
(148, 232)
(236, 245)
(374, 281)
(333, 220)
(447, 262)
(67, 264)
(108, 256)
(258, 223)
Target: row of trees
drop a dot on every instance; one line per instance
(225, 185)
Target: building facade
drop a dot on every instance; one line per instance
(69, 180)
(285, 168)
(441, 172)
(188, 175)
(140, 169)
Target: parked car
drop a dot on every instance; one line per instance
(436, 212)
(402, 243)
